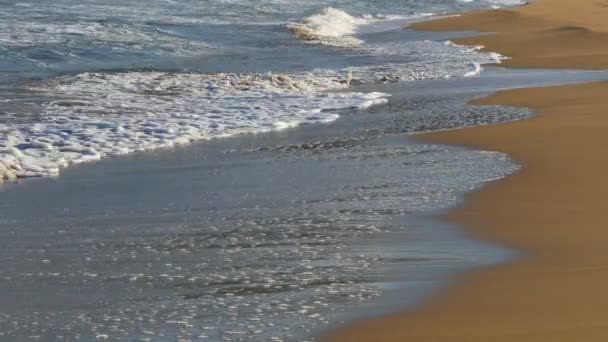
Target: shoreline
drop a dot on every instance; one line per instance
(109, 214)
(550, 211)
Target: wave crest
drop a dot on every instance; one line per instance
(103, 114)
(331, 26)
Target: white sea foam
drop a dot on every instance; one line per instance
(98, 114)
(442, 60)
(93, 115)
(330, 27)
(335, 27)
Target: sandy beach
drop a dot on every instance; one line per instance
(543, 34)
(553, 211)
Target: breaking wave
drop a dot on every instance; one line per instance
(99, 114)
(331, 26)
(93, 115)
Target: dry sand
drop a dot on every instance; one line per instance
(555, 210)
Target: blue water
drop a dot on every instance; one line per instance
(42, 38)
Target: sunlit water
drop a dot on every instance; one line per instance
(217, 232)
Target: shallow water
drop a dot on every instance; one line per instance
(106, 78)
(279, 235)
(252, 237)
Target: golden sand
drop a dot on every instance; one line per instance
(551, 33)
(555, 211)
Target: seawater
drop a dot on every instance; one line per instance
(83, 81)
(216, 232)
(269, 237)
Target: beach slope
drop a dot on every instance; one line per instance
(544, 34)
(554, 211)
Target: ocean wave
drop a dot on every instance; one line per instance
(93, 115)
(96, 114)
(331, 26)
(336, 27)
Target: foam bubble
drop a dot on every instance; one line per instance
(99, 114)
(93, 115)
(330, 27)
(442, 60)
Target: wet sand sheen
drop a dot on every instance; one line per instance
(553, 210)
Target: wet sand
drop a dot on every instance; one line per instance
(543, 34)
(553, 211)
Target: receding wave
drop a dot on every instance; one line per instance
(93, 115)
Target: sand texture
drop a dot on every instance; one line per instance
(549, 33)
(555, 211)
